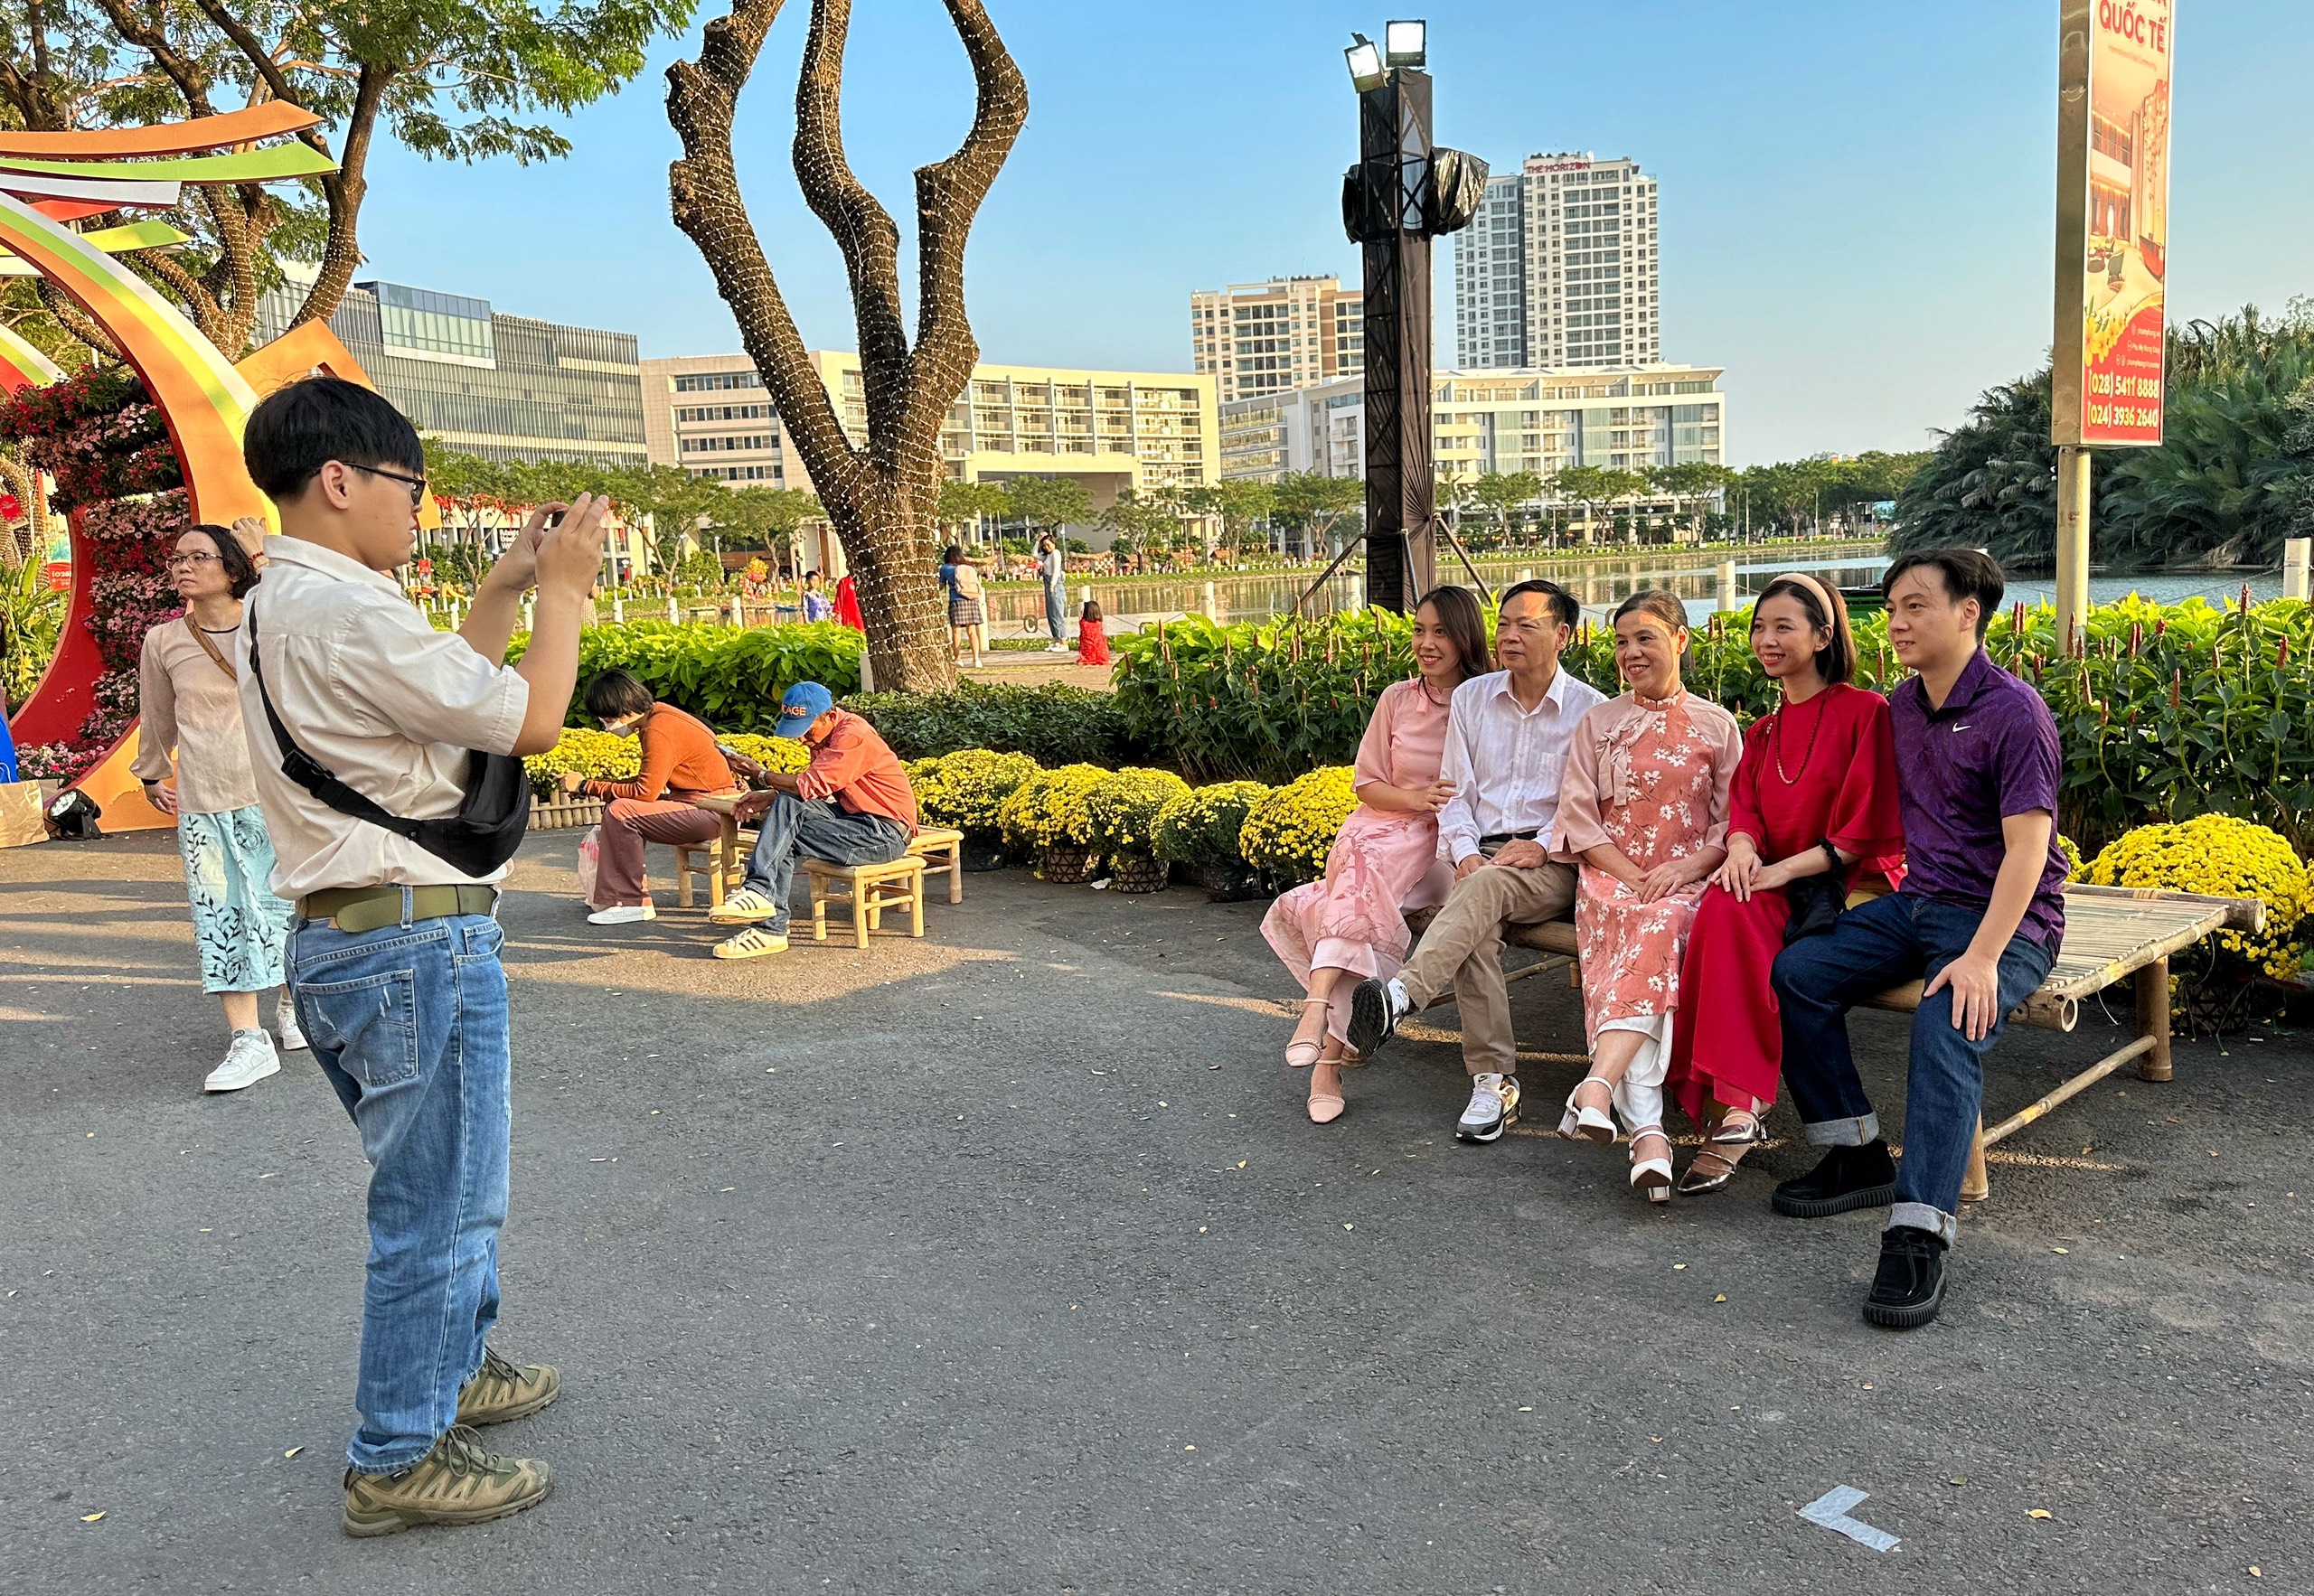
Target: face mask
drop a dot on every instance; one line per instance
(625, 729)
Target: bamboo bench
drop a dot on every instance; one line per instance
(2110, 933)
(868, 890)
(941, 848)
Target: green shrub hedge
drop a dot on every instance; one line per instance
(1055, 724)
(730, 677)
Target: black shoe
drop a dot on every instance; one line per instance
(1909, 1288)
(1373, 1017)
(1849, 1178)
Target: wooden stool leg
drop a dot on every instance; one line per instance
(2153, 1020)
(819, 907)
(862, 894)
(684, 874)
(726, 849)
(955, 872)
(915, 904)
(1976, 1184)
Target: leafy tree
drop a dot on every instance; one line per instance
(1690, 484)
(1313, 503)
(1137, 525)
(1502, 493)
(1237, 501)
(963, 503)
(1586, 485)
(1047, 503)
(767, 515)
(447, 79)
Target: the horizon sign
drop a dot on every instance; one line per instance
(2112, 242)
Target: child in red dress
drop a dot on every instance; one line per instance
(1092, 642)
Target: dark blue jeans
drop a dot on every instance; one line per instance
(1882, 944)
(408, 1024)
(816, 828)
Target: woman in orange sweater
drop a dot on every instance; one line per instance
(681, 763)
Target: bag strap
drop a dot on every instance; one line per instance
(207, 647)
(309, 772)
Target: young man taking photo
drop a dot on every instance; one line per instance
(851, 805)
(1980, 916)
(393, 950)
(1507, 738)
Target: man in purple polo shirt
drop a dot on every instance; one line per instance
(1980, 916)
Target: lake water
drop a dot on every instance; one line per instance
(1599, 584)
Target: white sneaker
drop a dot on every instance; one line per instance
(1493, 1108)
(285, 1021)
(1059, 647)
(743, 907)
(623, 915)
(250, 1060)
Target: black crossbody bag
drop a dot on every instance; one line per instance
(482, 836)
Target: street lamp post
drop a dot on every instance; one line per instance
(1403, 192)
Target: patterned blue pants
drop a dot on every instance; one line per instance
(239, 926)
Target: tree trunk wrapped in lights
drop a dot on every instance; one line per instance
(883, 496)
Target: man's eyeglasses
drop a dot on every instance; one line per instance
(416, 484)
(190, 562)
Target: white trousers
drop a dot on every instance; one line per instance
(1639, 1098)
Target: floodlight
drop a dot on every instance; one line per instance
(1402, 44)
(1365, 64)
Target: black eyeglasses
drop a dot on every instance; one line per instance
(417, 485)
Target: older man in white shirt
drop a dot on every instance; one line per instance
(1507, 737)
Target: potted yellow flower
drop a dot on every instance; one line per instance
(1197, 829)
(1124, 809)
(1046, 816)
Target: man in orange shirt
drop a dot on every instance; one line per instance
(851, 805)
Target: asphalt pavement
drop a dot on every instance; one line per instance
(1006, 1260)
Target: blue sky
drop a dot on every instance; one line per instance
(1855, 197)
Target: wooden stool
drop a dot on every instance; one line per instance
(869, 889)
(941, 849)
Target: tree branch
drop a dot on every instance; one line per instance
(73, 319)
(948, 196)
(703, 192)
(863, 229)
(343, 189)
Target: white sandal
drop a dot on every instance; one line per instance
(1652, 1176)
(1588, 1124)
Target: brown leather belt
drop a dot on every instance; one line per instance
(353, 909)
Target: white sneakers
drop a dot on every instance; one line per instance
(285, 1021)
(1493, 1108)
(250, 1060)
(743, 907)
(1059, 648)
(623, 915)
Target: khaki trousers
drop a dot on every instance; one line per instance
(1463, 949)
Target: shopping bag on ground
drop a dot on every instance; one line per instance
(591, 848)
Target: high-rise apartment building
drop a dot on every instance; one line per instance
(1557, 269)
(502, 387)
(1110, 430)
(1273, 337)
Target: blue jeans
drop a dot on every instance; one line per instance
(1882, 944)
(1055, 601)
(817, 828)
(408, 1024)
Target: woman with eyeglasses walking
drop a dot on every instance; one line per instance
(190, 704)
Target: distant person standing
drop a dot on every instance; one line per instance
(1052, 570)
(817, 605)
(390, 840)
(190, 702)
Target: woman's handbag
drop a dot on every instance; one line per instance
(1816, 900)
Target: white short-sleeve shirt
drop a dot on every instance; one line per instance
(378, 697)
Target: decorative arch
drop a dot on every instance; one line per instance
(49, 179)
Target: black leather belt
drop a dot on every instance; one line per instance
(1488, 844)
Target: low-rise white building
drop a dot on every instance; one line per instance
(1623, 418)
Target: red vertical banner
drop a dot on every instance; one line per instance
(2112, 220)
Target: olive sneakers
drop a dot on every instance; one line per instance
(458, 1482)
(501, 1391)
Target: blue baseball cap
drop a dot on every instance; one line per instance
(805, 702)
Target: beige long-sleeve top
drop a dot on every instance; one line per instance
(191, 709)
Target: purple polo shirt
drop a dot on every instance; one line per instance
(1989, 753)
